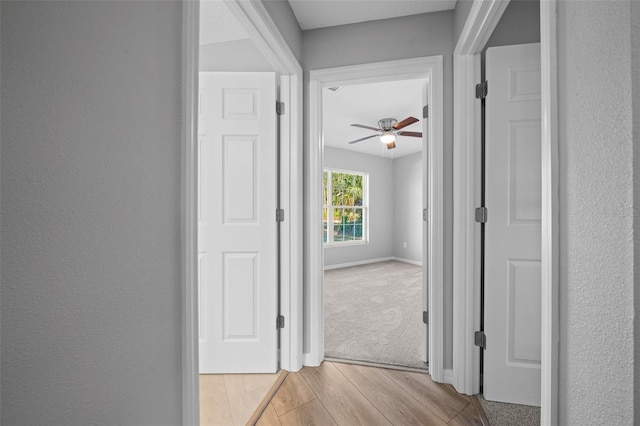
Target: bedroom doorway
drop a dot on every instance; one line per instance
(373, 227)
(337, 80)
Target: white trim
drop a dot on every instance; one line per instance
(189, 200)
(357, 263)
(480, 23)
(448, 376)
(483, 18)
(429, 68)
(266, 36)
(550, 214)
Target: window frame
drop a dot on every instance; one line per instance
(330, 208)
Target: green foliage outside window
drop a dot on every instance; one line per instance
(344, 204)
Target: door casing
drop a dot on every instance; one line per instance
(481, 21)
(272, 45)
(430, 69)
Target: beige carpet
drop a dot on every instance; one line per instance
(501, 414)
(373, 313)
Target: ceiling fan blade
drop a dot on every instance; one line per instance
(405, 123)
(366, 127)
(362, 139)
(414, 134)
(391, 145)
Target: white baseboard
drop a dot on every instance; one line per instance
(413, 262)
(448, 376)
(368, 261)
(357, 263)
(308, 361)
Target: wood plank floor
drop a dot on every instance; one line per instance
(347, 394)
(231, 399)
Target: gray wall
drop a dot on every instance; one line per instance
(520, 24)
(284, 18)
(380, 208)
(463, 7)
(232, 56)
(395, 206)
(390, 39)
(596, 213)
(90, 236)
(407, 202)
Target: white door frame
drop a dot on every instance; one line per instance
(481, 22)
(429, 68)
(264, 33)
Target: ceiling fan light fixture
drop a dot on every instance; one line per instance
(387, 137)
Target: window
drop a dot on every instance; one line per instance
(344, 207)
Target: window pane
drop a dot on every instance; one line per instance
(338, 232)
(324, 225)
(345, 203)
(353, 228)
(339, 219)
(337, 185)
(324, 188)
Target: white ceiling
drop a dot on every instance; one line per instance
(328, 13)
(218, 24)
(366, 104)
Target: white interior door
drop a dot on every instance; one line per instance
(237, 226)
(513, 233)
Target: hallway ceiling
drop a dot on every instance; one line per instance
(366, 104)
(313, 14)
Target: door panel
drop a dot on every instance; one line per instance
(513, 231)
(237, 227)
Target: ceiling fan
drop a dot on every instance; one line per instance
(388, 129)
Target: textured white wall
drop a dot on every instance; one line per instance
(380, 206)
(407, 204)
(91, 213)
(596, 213)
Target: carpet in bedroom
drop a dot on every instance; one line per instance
(373, 313)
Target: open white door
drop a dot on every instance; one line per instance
(513, 229)
(237, 229)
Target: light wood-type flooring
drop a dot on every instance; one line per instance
(348, 394)
(231, 399)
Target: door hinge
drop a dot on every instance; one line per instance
(425, 111)
(482, 89)
(425, 317)
(425, 214)
(481, 214)
(279, 108)
(480, 339)
(279, 215)
(280, 322)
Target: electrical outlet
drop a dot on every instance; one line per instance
(404, 244)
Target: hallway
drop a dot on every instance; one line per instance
(348, 394)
